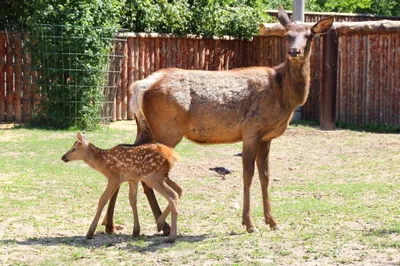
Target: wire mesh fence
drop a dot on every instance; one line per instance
(75, 72)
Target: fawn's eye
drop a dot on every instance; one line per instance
(73, 150)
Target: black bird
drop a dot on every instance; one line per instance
(222, 171)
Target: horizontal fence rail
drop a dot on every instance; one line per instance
(339, 17)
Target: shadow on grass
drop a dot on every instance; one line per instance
(123, 241)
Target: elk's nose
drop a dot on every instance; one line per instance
(294, 52)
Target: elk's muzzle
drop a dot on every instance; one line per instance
(294, 52)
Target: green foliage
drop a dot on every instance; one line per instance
(69, 42)
(206, 17)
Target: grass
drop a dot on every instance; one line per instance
(335, 193)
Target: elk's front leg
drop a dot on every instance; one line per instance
(111, 188)
(263, 171)
(108, 220)
(248, 159)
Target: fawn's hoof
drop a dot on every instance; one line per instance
(276, 227)
(160, 226)
(164, 227)
(89, 235)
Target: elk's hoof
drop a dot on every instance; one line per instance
(252, 230)
(89, 235)
(110, 229)
(136, 232)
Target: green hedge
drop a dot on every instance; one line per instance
(204, 17)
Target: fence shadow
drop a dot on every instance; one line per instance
(123, 241)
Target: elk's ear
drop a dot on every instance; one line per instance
(283, 17)
(323, 26)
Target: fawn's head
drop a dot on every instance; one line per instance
(78, 150)
(300, 37)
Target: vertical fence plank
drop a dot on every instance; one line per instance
(131, 62)
(156, 54)
(10, 79)
(26, 98)
(2, 76)
(18, 76)
(196, 52)
(151, 55)
(147, 56)
(191, 56)
(141, 57)
(124, 83)
(118, 93)
(396, 99)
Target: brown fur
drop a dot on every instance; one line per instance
(148, 163)
(253, 105)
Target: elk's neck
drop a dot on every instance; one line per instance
(95, 157)
(295, 81)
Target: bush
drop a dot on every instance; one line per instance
(69, 44)
(203, 17)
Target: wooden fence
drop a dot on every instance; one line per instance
(15, 79)
(366, 88)
(146, 53)
(368, 83)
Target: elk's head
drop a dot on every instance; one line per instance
(299, 36)
(78, 150)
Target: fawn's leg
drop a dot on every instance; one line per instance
(108, 220)
(155, 207)
(263, 171)
(111, 188)
(133, 187)
(172, 197)
(164, 215)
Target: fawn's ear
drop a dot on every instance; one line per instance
(81, 137)
(323, 26)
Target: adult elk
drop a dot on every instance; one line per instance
(253, 105)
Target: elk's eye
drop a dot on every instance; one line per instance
(73, 150)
